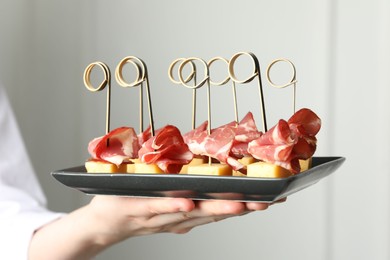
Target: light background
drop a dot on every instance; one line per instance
(340, 50)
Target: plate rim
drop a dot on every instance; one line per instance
(272, 189)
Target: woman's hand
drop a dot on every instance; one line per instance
(107, 220)
(127, 217)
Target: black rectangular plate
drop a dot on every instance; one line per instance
(197, 186)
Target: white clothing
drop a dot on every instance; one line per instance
(22, 202)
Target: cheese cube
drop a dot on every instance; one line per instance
(104, 167)
(130, 167)
(305, 164)
(217, 169)
(147, 168)
(267, 170)
(245, 161)
(195, 161)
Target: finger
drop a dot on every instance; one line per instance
(255, 206)
(151, 207)
(205, 212)
(280, 201)
(208, 211)
(158, 223)
(189, 224)
(217, 208)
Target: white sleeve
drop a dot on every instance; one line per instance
(22, 202)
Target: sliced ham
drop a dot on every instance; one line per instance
(216, 145)
(167, 149)
(305, 122)
(195, 137)
(146, 135)
(246, 129)
(288, 141)
(219, 144)
(116, 147)
(245, 132)
(276, 145)
(226, 143)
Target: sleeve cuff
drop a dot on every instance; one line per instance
(19, 230)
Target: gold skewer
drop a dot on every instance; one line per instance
(106, 82)
(256, 73)
(198, 85)
(188, 79)
(292, 81)
(223, 82)
(142, 76)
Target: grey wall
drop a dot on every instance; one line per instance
(340, 50)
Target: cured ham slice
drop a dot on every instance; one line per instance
(246, 129)
(219, 144)
(117, 146)
(195, 137)
(216, 145)
(288, 141)
(305, 122)
(167, 149)
(245, 132)
(226, 143)
(146, 135)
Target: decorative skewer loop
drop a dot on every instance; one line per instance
(172, 66)
(142, 76)
(256, 73)
(256, 67)
(106, 82)
(198, 85)
(224, 81)
(184, 81)
(292, 81)
(119, 73)
(188, 79)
